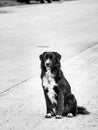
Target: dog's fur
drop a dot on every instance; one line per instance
(59, 99)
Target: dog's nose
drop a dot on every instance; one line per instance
(47, 64)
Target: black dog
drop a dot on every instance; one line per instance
(59, 99)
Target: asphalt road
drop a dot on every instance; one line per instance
(70, 28)
(26, 31)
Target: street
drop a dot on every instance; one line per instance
(70, 28)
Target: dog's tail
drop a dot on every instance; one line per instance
(82, 110)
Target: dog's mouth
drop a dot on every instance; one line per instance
(48, 67)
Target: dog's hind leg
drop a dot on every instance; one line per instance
(70, 105)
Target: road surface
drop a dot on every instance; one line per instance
(70, 28)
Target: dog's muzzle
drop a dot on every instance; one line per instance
(48, 63)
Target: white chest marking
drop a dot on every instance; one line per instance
(49, 83)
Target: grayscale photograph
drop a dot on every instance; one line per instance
(48, 64)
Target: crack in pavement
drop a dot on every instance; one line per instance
(14, 86)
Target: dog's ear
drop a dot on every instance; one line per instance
(42, 55)
(57, 55)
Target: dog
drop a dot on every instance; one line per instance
(57, 91)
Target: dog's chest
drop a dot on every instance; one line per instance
(49, 83)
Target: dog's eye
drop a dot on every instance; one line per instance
(51, 57)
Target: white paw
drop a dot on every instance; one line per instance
(48, 115)
(69, 115)
(58, 116)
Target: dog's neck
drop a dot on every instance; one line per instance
(54, 71)
(48, 79)
(49, 74)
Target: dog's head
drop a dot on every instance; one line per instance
(50, 60)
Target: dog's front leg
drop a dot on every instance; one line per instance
(60, 105)
(48, 106)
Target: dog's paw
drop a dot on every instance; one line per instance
(48, 115)
(69, 115)
(58, 116)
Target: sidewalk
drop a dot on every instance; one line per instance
(23, 108)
